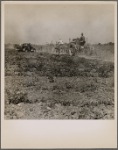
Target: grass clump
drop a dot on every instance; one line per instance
(16, 97)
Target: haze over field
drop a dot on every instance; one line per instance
(43, 23)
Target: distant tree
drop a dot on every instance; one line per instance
(110, 43)
(99, 43)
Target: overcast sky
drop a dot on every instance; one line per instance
(41, 23)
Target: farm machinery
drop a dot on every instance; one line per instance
(72, 48)
(25, 47)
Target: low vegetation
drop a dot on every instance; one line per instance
(42, 85)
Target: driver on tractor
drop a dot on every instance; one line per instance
(82, 41)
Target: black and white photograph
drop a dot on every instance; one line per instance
(59, 74)
(59, 61)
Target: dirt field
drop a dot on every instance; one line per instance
(48, 86)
